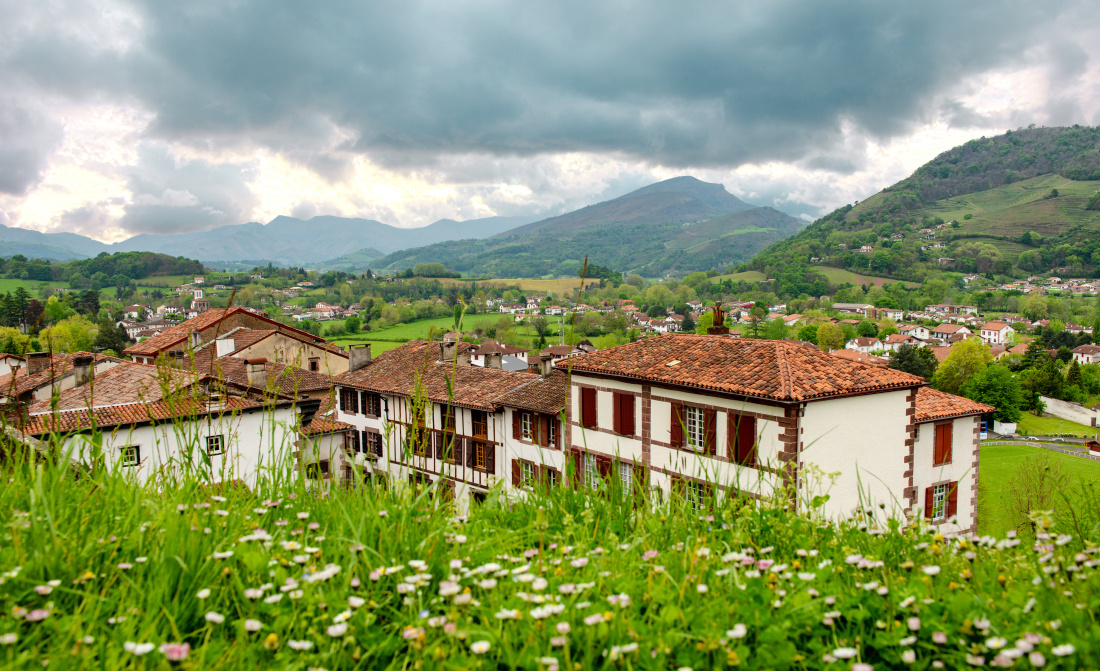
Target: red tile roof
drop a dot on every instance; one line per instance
(933, 404)
(324, 421)
(399, 370)
(125, 383)
(178, 333)
(859, 357)
(994, 326)
(18, 383)
(770, 369)
(130, 413)
(546, 395)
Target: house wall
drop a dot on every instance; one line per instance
(256, 444)
(863, 440)
(963, 469)
(297, 353)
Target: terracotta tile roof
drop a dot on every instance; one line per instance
(324, 421)
(1080, 349)
(546, 395)
(859, 357)
(865, 342)
(994, 326)
(770, 369)
(948, 328)
(130, 413)
(940, 353)
(933, 404)
(125, 383)
(396, 372)
(896, 338)
(178, 333)
(243, 338)
(18, 383)
(291, 381)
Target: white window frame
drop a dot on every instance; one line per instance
(218, 440)
(695, 428)
(551, 477)
(124, 456)
(940, 494)
(591, 472)
(525, 426)
(553, 434)
(695, 493)
(626, 476)
(526, 474)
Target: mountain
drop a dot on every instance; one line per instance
(678, 225)
(1014, 204)
(284, 240)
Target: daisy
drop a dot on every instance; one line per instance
(479, 647)
(337, 630)
(215, 618)
(253, 625)
(138, 648)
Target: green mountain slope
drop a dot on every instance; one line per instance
(1017, 227)
(679, 225)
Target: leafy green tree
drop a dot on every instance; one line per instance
(688, 325)
(776, 329)
(967, 359)
(998, 387)
(757, 315)
(111, 337)
(808, 333)
(1045, 381)
(866, 329)
(915, 360)
(830, 336)
(706, 320)
(352, 325)
(1073, 374)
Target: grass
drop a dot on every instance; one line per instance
(839, 276)
(998, 463)
(1030, 425)
(747, 276)
(564, 286)
(95, 566)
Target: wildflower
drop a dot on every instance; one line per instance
(908, 656)
(274, 598)
(562, 627)
(37, 615)
(579, 562)
(701, 588)
(203, 593)
(138, 648)
(271, 642)
(557, 641)
(449, 588)
(649, 554)
(594, 619)
(356, 602)
(141, 560)
(1064, 650)
(488, 583)
(806, 576)
(303, 516)
(908, 640)
(931, 570)
(862, 667)
(411, 633)
(337, 630)
(175, 652)
(125, 566)
(43, 589)
(939, 638)
(223, 555)
(8, 639)
(253, 625)
(996, 643)
(479, 647)
(738, 631)
(913, 623)
(505, 614)
(215, 618)
(845, 653)
(299, 645)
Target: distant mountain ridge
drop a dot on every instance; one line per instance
(678, 225)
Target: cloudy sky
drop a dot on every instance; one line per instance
(120, 117)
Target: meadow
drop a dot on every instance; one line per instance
(98, 572)
(1031, 425)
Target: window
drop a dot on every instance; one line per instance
(623, 413)
(315, 365)
(741, 439)
(526, 474)
(447, 416)
(215, 445)
(130, 455)
(550, 476)
(591, 472)
(480, 423)
(696, 493)
(372, 444)
(941, 448)
(525, 426)
(371, 404)
(349, 401)
(552, 430)
(694, 428)
(481, 460)
(626, 476)
(939, 502)
(354, 443)
(478, 497)
(588, 407)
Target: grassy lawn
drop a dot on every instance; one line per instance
(1030, 425)
(747, 276)
(840, 275)
(7, 285)
(998, 462)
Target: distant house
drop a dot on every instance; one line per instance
(945, 331)
(1087, 354)
(865, 345)
(996, 333)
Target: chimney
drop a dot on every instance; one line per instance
(447, 351)
(83, 369)
(195, 338)
(256, 370)
(37, 362)
(358, 356)
(494, 360)
(463, 358)
(225, 346)
(546, 365)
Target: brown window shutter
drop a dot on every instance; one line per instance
(628, 414)
(471, 454)
(517, 474)
(928, 502)
(491, 458)
(559, 439)
(676, 439)
(617, 412)
(362, 401)
(603, 464)
(578, 469)
(710, 421)
(947, 443)
(515, 425)
(588, 408)
(457, 447)
(952, 499)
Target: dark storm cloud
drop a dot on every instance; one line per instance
(27, 138)
(172, 197)
(702, 83)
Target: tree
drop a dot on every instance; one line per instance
(688, 325)
(967, 359)
(776, 329)
(73, 334)
(866, 329)
(915, 360)
(998, 387)
(352, 325)
(1033, 486)
(111, 337)
(757, 315)
(830, 337)
(808, 333)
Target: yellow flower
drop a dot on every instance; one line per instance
(272, 641)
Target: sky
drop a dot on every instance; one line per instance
(120, 117)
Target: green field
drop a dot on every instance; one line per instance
(839, 276)
(1030, 425)
(998, 463)
(565, 286)
(419, 330)
(748, 276)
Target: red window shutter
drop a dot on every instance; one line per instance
(617, 412)
(710, 421)
(517, 474)
(544, 429)
(588, 407)
(515, 425)
(559, 439)
(628, 414)
(947, 443)
(952, 499)
(746, 438)
(928, 502)
(676, 439)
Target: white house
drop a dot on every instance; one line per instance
(916, 330)
(736, 417)
(894, 341)
(498, 355)
(945, 331)
(1084, 354)
(865, 345)
(997, 333)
